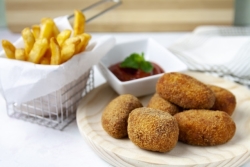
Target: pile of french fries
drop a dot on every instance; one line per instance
(45, 44)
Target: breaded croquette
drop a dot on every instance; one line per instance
(115, 115)
(157, 102)
(224, 99)
(205, 127)
(185, 91)
(152, 129)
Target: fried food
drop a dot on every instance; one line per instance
(45, 60)
(46, 28)
(67, 52)
(20, 54)
(36, 48)
(157, 102)
(9, 49)
(63, 36)
(74, 40)
(224, 99)
(40, 47)
(79, 22)
(28, 39)
(87, 39)
(115, 115)
(55, 52)
(185, 91)
(152, 129)
(205, 127)
(36, 31)
(69, 48)
(55, 30)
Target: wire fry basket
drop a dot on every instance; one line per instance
(58, 109)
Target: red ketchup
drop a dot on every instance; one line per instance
(127, 74)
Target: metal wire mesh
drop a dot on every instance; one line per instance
(55, 110)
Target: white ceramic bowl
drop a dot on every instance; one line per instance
(152, 52)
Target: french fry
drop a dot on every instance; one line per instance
(37, 52)
(73, 40)
(47, 53)
(63, 36)
(85, 38)
(81, 44)
(55, 52)
(88, 38)
(43, 20)
(67, 52)
(46, 29)
(28, 39)
(36, 31)
(45, 60)
(46, 57)
(79, 22)
(69, 48)
(55, 30)
(9, 49)
(20, 54)
(45, 44)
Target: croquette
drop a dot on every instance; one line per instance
(152, 129)
(205, 127)
(157, 102)
(115, 115)
(224, 99)
(185, 91)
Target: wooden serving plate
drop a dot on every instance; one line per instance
(122, 152)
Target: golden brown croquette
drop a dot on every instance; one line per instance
(224, 99)
(205, 127)
(157, 102)
(115, 115)
(152, 129)
(185, 91)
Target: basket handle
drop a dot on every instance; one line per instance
(116, 4)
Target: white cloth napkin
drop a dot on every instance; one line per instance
(22, 81)
(221, 50)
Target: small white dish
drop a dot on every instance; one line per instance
(153, 52)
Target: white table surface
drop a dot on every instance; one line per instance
(24, 144)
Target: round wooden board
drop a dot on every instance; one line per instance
(122, 152)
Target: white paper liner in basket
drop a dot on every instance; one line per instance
(24, 81)
(224, 51)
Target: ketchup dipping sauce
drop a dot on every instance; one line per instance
(128, 74)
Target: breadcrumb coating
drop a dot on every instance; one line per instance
(157, 102)
(205, 127)
(224, 99)
(115, 115)
(185, 91)
(152, 129)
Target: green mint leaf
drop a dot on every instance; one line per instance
(137, 61)
(146, 66)
(130, 62)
